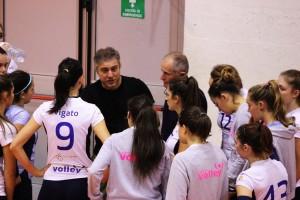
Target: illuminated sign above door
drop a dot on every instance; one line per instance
(133, 8)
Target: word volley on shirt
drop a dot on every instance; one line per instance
(66, 169)
(67, 113)
(210, 173)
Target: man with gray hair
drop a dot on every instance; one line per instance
(174, 65)
(112, 91)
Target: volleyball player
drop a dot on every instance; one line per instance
(66, 121)
(225, 120)
(138, 159)
(181, 94)
(225, 93)
(289, 87)
(266, 178)
(266, 105)
(4, 61)
(19, 116)
(7, 132)
(199, 172)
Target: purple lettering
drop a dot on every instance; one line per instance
(67, 169)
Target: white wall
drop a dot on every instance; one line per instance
(260, 38)
(47, 31)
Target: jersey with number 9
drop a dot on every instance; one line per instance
(67, 130)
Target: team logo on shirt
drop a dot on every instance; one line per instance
(210, 173)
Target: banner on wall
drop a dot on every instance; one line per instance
(133, 8)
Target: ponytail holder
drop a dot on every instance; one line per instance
(267, 85)
(66, 70)
(260, 124)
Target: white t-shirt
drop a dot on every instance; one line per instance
(296, 114)
(225, 122)
(18, 115)
(123, 182)
(198, 173)
(6, 138)
(173, 138)
(235, 162)
(266, 178)
(66, 132)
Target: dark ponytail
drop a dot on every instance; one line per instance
(196, 121)
(188, 91)
(5, 86)
(228, 81)
(22, 82)
(69, 71)
(148, 146)
(258, 136)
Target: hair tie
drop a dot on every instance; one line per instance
(29, 82)
(260, 124)
(267, 85)
(66, 70)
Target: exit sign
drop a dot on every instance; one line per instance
(133, 8)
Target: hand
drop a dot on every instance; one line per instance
(41, 172)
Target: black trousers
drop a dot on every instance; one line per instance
(73, 189)
(297, 196)
(23, 191)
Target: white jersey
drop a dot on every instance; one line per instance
(173, 138)
(284, 151)
(296, 114)
(235, 162)
(266, 178)
(18, 115)
(6, 138)
(66, 132)
(225, 122)
(123, 183)
(199, 172)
